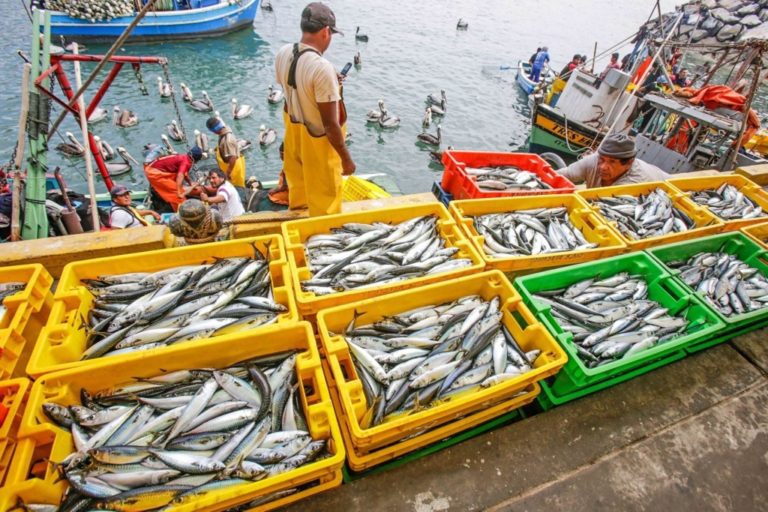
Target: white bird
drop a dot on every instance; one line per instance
(433, 99)
(118, 168)
(427, 118)
(462, 24)
(438, 110)
(164, 88)
(124, 118)
(274, 95)
(373, 116)
(204, 105)
(244, 144)
(107, 153)
(266, 135)
(240, 111)
(167, 144)
(174, 131)
(431, 140)
(201, 141)
(71, 148)
(388, 121)
(186, 94)
(98, 114)
(357, 59)
(359, 36)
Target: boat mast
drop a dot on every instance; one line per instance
(757, 59)
(35, 215)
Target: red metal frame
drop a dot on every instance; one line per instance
(57, 70)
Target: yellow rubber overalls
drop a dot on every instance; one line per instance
(312, 166)
(237, 178)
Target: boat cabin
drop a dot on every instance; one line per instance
(680, 137)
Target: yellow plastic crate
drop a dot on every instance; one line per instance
(397, 436)
(593, 227)
(43, 440)
(758, 233)
(27, 312)
(355, 188)
(746, 186)
(62, 341)
(297, 232)
(13, 397)
(706, 223)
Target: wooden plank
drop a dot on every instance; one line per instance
(54, 253)
(757, 173)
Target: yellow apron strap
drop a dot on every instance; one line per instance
(139, 216)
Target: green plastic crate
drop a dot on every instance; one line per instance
(735, 243)
(577, 379)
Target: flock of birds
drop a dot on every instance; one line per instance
(435, 107)
(127, 119)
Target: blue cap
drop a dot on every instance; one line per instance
(196, 153)
(119, 190)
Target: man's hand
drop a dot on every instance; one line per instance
(156, 216)
(204, 197)
(348, 167)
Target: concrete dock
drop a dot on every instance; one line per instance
(692, 435)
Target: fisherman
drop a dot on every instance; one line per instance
(228, 152)
(279, 194)
(314, 116)
(542, 58)
(197, 223)
(565, 74)
(273, 200)
(681, 80)
(613, 64)
(123, 214)
(226, 198)
(613, 164)
(167, 175)
(533, 57)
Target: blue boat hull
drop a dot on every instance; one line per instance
(162, 26)
(525, 83)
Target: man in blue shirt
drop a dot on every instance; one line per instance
(541, 58)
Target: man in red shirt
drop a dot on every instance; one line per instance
(167, 175)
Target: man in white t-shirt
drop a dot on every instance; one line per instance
(226, 200)
(314, 116)
(122, 214)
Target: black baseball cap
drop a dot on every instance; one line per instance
(316, 16)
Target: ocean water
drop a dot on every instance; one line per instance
(414, 49)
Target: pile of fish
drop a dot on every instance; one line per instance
(357, 255)
(140, 311)
(728, 203)
(169, 439)
(611, 318)
(6, 290)
(505, 178)
(92, 10)
(530, 232)
(645, 216)
(729, 284)
(423, 356)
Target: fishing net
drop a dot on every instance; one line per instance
(93, 10)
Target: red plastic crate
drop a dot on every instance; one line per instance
(457, 182)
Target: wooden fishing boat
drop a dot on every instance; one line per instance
(191, 19)
(525, 83)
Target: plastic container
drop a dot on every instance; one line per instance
(297, 232)
(593, 227)
(13, 397)
(732, 243)
(62, 341)
(359, 189)
(26, 314)
(457, 182)
(369, 446)
(41, 439)
(746, 186)
(577, 379)
(758, 233)
(706, 223)
(441, 195)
